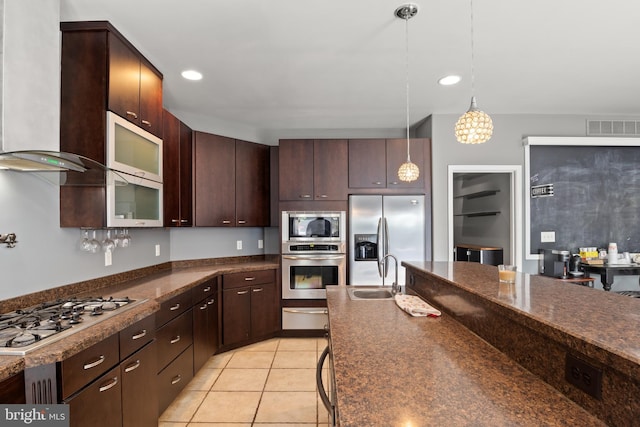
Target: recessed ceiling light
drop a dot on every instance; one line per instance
(449, 80)
(192, 75)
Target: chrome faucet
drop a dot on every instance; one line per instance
(395, 288)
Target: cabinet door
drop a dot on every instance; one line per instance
(150, 99)
(397, 155)
(174, 337)
(12, 389)
(173, 379)
(215, 180)
(367, 163)
(252, 184)
(296, 169)
(236, 317)
(124, 80)
(99, 404)
(176, 158)
(264, 310)
(330, 169)
(139, 401)
(205, 331)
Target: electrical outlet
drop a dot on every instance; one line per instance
(157, 250)
(547, 236)
(260, 244)
(586, 377)
(239, 245)
(107, 258)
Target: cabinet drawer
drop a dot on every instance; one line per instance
(173, 378)
(136, 336)
(173, 308)
(239, 280)
(88, 365)
(100, 404)
(174, 337)
(204, 290)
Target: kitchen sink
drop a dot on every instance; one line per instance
(372, 293)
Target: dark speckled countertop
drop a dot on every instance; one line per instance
(155, 287)
(392, 369)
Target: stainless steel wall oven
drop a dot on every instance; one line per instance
(313, 253)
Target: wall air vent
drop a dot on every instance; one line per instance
(613, 127)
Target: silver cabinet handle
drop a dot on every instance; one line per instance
(207, 289)
(226, 221)
(146, 122)
(305, 196)
(242, 221)
(249, 279)
(211, 301)
(132, 367)
(176, 379)
(394, 183)
(323, 196)
(377, 183)
(257, 290)
(140, 223)
(175, 221)
(175, 307)
(139, 335)
(140, 173)
(204, 307)
(94, 363)
(175, 340)
(242, 292)
(132, 114)
(106, 387)
(184, 220)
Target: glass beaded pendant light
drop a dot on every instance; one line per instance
(408, 171)
(474, 126)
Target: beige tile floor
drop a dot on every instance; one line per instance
(267, 384)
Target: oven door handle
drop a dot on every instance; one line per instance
(292, 310)
(313, 257)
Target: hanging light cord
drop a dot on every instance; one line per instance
(406, 19)
(473, 91)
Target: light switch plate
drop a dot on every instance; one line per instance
(547, 237)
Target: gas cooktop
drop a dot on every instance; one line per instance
(25, 330)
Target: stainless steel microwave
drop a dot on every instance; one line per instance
(314, 226)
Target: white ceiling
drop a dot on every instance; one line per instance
(340, 64)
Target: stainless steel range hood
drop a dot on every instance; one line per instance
(60, 168)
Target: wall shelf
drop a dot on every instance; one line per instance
(481, 213)
(477, 194)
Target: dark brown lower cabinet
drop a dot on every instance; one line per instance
(205, 331)
(172, 379)
(139, 400)
(12, 389)
(249, 312)
(99, 404)
(236, 312)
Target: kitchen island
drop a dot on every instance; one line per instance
(489, 359)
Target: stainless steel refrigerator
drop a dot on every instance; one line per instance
(380, 225)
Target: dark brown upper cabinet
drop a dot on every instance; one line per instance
(231, 182)
(374, 163)
(177, 170)
(313, 169)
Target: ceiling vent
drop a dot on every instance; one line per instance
(613, 127)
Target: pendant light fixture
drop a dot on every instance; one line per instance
(474, 126)
(408, 171)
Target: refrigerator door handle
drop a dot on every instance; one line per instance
(386, 247)
(379, 237)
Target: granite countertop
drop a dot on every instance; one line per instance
(155, 288)
(392, 369)
(605, 322)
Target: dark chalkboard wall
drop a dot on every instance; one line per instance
(596, 196)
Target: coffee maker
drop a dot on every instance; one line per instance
(554, 263)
